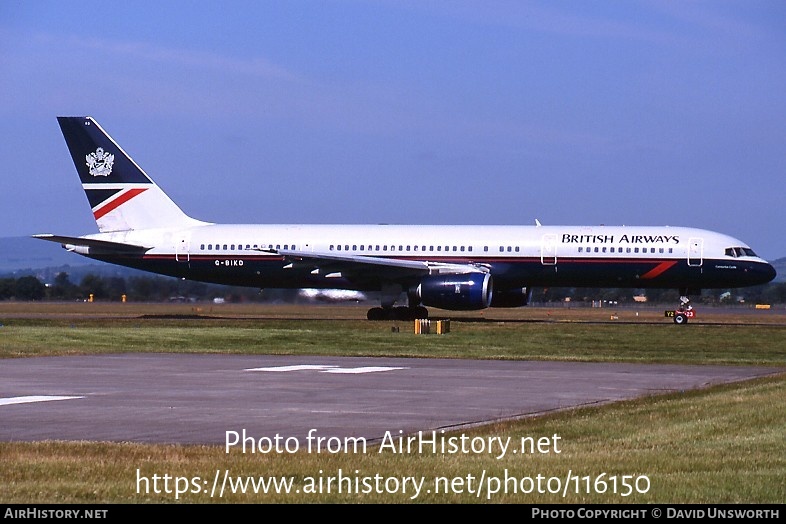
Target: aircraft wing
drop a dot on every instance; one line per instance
(90, 245)
(361, 266)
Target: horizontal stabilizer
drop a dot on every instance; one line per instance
(74, 243)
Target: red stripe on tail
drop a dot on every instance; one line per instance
(119, 201)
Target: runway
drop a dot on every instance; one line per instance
(197, 399)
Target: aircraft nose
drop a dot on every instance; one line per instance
(762, 273)
(770, 272)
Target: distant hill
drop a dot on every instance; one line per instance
(29, 253)
(21, 256)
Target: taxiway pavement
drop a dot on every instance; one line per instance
(197, 399)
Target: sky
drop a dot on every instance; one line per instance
(407, 112)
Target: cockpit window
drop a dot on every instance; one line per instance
(739, 252)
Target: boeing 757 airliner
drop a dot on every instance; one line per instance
(446, 267)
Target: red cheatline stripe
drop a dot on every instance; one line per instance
(657, 270)
(119, 201)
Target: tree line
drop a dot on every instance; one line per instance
(163, 289)
(117, 288)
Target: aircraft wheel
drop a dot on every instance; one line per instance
(420, 312)
(402, 313)
(680, 318)
(376, 313)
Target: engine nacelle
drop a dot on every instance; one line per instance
(465, 292)
(516, 297)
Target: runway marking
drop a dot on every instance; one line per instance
(368, 369)
(32, 398)
(294, 368)
(328, 369)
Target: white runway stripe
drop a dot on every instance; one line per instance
(369, 369)
(32, 398)
(293, 368)
(328, 369)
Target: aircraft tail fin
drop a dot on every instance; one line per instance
(120, 193)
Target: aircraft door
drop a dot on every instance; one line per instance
(548, 250)
(183, 249)
(695, 251)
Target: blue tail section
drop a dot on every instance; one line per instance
(120, 193)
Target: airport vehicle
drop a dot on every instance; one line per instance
(447, 267)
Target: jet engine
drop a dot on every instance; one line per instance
(469, 291)
(516, 297)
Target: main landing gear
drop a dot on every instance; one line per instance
(397, 313)
(390, 292)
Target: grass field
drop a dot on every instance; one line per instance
(716, 445)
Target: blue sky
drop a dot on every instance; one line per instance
(342, 111)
